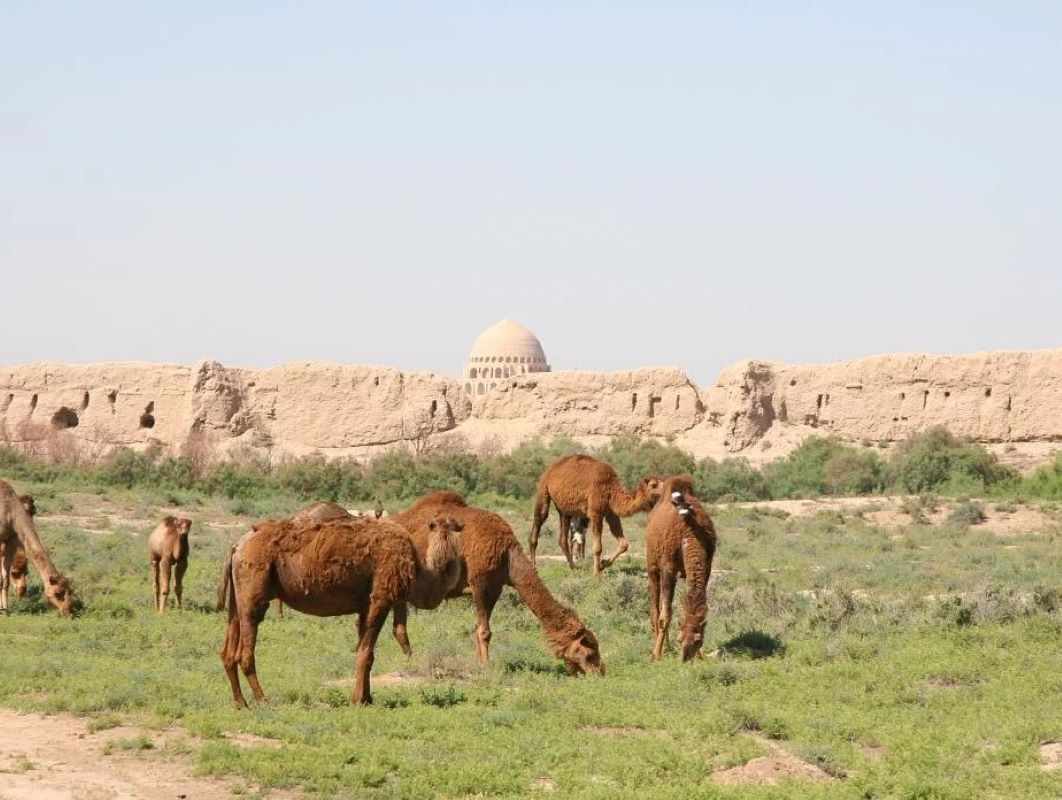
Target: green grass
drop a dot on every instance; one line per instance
(828, 637)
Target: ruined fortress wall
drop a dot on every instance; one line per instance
(333, 409)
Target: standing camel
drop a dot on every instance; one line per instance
(491, 558)
(326, 569)
(581, 486)
(168, 548)
(680, 542)
(16, 525)
(13, 566)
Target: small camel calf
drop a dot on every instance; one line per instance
(13, 567)
(327, 569)
(680, 542)
(168, 547)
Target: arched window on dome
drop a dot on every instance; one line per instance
(493, 385)
(472, 373)
(479, 389)
(468, 388)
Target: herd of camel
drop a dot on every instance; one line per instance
(327, 562)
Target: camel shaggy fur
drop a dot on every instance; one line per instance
(581, 486)
(13, 565)
(491, 558)
(16, 525)
(325, 569)
(680, 542)
(168, 549)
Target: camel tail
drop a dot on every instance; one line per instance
(226, 596)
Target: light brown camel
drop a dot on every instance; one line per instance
(325, 569)
(491, 558)
(680, 542)
(168, 549)
(581, 486)
(13, 566)
(16, 525)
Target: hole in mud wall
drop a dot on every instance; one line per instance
(376, 381)
(653, 402)
(925, 398)
(988, 392)
(433, 409)
(84, 401)
(947, 394)
(147, 419)
(903, 395)
(792, 382)
(7, 403)
(33, 404)
(64, 418)
(818, 402)
(634, 401)
(678, 401)
(1008, 402)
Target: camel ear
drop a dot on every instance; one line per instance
(432, 526)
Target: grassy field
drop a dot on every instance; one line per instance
(910, 662)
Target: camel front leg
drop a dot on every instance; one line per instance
(532, 537)
(230, 659)
(654, 606)
(484, 597)
(595, 535)
(666, 598)
(249, 623)
(398, 619)
(164, 583)
(6, 557)
(616, 529)
(155, 583)
(370, 624)
(178, 580)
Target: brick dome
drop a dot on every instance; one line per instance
(502, 351)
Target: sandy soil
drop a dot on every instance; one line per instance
(56, 758)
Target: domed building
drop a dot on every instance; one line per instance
(500, 352)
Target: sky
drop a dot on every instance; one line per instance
(650, 183)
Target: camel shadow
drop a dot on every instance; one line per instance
(753, 644)
(536, 667)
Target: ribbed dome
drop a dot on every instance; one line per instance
(503, 351)
(508, 339)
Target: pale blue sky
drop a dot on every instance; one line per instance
(684, 183)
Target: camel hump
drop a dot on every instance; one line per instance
(440, 497)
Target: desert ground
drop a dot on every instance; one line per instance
(852, 650)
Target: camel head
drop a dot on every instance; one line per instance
(691, 637)
(183, 526)
(444, 550)
(582, 655)
(57, 590)
(650, 489)
(28, 504)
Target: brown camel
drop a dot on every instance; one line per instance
(168, 548)
(13, 565)
(325, 569)
(16, 525)
(581, 486)
(491, 558)
(679, 542)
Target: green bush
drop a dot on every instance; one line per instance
(936, 460)
(822, 466)
(732, 480)
(967, 513)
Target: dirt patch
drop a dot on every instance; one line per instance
(1051, 755)
(617, 731)
(56, 758)
(873, 752)
(251, 740)
(768, 770)
(396, 678)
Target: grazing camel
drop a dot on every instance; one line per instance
(168, 548)
(325, 569)
(491, 558)
(16, 525)
(581, 486)
(13, 566)
(680, 542)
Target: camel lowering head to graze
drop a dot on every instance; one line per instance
(491, 558)
(356, 566)
(581, 486)
(168, 549)
(680, 541)
(17, 528)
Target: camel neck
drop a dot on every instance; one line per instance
(27, 533)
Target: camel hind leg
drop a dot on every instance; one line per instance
(564, 538)
(155, 583)
(398, 619)
(654, 605)
(666, 598)
(541, 512)
(178, 580)
(230, 658)
(6, 556)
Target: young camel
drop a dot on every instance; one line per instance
(13, 566)
(680, 542)
(16, 525)
(491, 558)
(168, 548)
(581, 486)
(325, 569)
